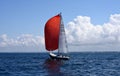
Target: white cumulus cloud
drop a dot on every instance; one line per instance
(22, 43)
(81, 35)
(85, 36)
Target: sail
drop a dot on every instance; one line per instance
(51, 30)
(62, 39)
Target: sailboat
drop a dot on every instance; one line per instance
(55, 38)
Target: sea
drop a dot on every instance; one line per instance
(80, 64)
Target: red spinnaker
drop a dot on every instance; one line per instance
(52, 33)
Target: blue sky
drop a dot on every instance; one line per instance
(19, 17)
(29, 16)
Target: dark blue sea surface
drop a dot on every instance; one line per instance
(80, 64)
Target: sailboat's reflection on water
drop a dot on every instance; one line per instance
(53, 67)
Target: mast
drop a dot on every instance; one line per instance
(62, 46)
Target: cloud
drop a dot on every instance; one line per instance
(85, 36)
(22, 43)
(82, 35)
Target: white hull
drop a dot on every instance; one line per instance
(59, 57)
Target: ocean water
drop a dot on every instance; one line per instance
(80, 64)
